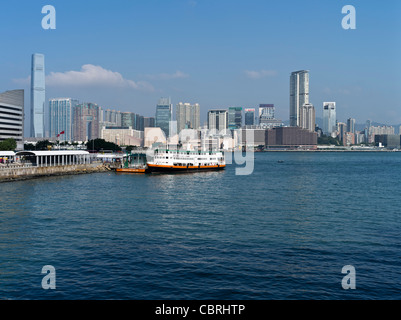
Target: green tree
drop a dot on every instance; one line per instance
(44, 145)
(327, 140)
(8, 145)
(101, 144)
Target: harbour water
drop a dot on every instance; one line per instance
(284, 232)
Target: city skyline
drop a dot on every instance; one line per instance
(356, 75)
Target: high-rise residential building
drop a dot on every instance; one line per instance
(86, 124)
(308, 117)
(351, 125)
(234, 118)
(112, 117)
(164, 111)
(329, 118)
(250, 116)
(12, 117)
(187, 116)
(299, 95)
(61, 117)
(217, 120)
(38, 96)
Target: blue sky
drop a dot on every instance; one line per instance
(218, 53)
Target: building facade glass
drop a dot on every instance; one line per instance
(329, 118)
(61, 117)
(38, 96)
(164, 111)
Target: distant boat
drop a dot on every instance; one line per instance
(280, 161)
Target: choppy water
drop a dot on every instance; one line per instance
(285, 232)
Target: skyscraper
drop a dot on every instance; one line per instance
(234, 118)
(38, 96)
(249, 117)
(188, 116)
(299, 95)
(351, 125)
(149, 122)
(86, 121)
(61, 117)
(308, 117)
(329, 118)
(164, 111)
(217, 120)
(12, 117)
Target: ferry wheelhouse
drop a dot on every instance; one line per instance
(133, 163)
(184, 161)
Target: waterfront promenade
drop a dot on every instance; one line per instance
(34, 164)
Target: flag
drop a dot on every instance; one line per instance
(62, 132)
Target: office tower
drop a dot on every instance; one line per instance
(299, 95)
(266, 113)
(217, 120)
(149, 122)
(308, 117)
(38, 96)
(249, 117)
(329, 118)
(341, 129)
(187, 116)
(86, 124)
(164, 112)
(12, 117)
(139, 122)
(234, 118)
(128, 120)
(351, 125)
(61, 117)
(267, 117)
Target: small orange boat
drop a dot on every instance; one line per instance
(133, 163)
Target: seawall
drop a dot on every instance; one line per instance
(25, 173)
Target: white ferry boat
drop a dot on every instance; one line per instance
(184, 161)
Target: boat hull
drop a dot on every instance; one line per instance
(131, 170)
(178, 169)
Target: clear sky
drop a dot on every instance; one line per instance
(218, 53)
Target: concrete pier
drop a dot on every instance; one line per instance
(8, 174)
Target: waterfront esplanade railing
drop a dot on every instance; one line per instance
(54, 158)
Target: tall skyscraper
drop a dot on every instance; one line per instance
(351, 125)
(12, 117)
(61, 117)
(38, 96)
(234, 118)
(86, 121)
(329, 118)
(164, 111)
(217, 120)
(188, 116)
(299, 95)
(308, 117)
(249, 116)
